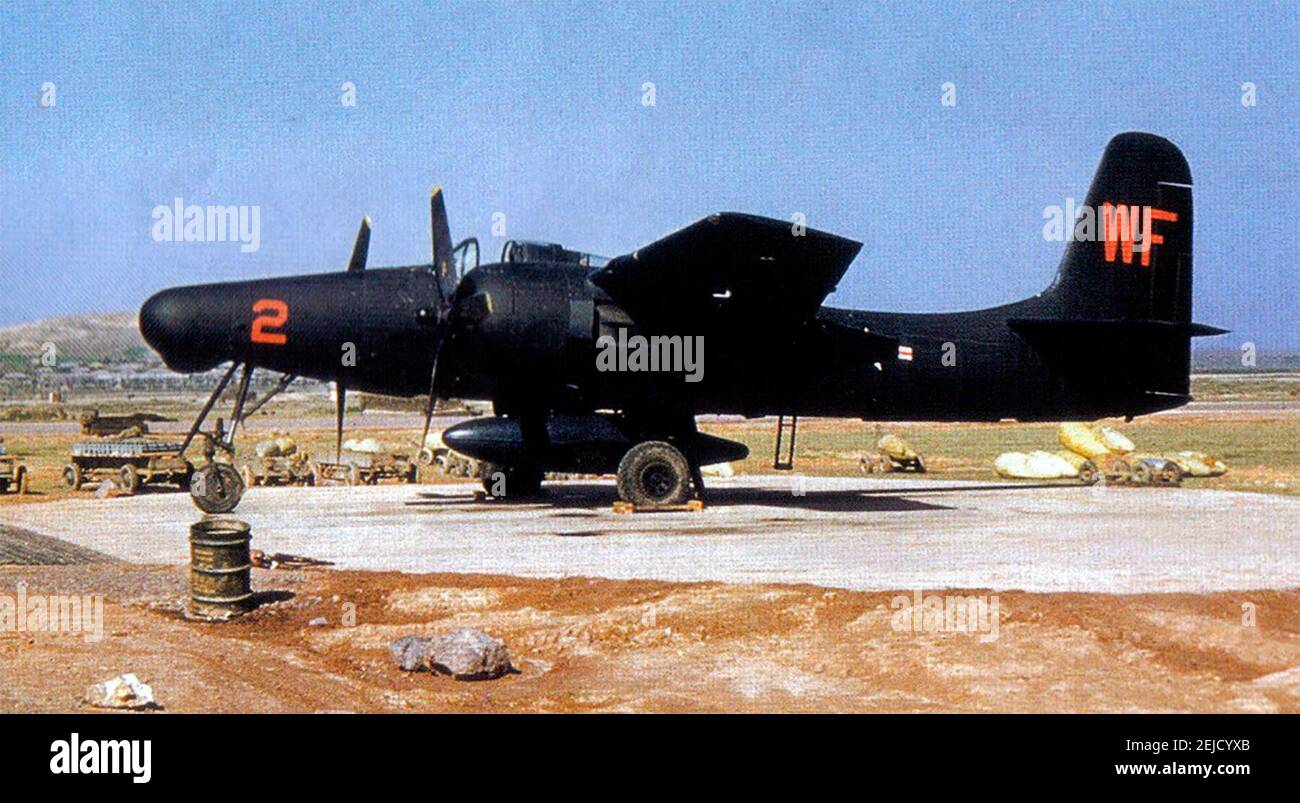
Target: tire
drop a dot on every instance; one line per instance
(514, 482)
(72, 476)
(654, 473)
(1088, 473)
(920, 465)
(130, 479)
(1141, 474)
(216, 488)
(1171, 474)
(22, 482)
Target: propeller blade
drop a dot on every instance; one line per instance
(428, 408)
(341, 391)
(362, 247)
(440, 231)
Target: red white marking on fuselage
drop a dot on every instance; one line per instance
(905, 353)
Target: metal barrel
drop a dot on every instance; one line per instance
(219, 567)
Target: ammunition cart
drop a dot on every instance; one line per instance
(130, 463)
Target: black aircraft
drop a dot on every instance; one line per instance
(585, 360)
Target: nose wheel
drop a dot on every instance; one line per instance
(216, 488)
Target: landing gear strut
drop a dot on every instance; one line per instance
(217, 487)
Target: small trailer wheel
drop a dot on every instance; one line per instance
(72, 476)
(130, 479)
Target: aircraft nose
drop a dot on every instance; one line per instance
(158, 322)
(172, 322)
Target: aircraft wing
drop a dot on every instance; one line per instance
(728, 268)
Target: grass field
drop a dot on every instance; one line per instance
(1246, 387)
(1261, 450)
(1262, 453)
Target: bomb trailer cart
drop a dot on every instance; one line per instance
(130, 463)
(13, 474)
(366, 468)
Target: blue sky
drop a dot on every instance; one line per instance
(534, 110)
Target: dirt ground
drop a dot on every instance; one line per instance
(583, 645)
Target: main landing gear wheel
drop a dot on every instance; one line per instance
(216, 488)
(654, 473)
(511, 482)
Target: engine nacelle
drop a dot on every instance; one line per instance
(526, 331)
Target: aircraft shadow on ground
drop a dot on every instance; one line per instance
(592, 497)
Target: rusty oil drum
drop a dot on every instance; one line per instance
(219, 567)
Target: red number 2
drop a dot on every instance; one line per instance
(271, 315)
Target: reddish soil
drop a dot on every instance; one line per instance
(602, 645)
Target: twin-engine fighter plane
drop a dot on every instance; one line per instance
(581, 358)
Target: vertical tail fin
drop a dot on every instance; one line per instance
(1117, 321)
(1131, 256)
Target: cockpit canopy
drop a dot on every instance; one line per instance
(526, 251)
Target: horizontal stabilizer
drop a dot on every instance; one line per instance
(1126, 358)
(1032, 328)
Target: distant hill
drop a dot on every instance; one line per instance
(111, 337)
